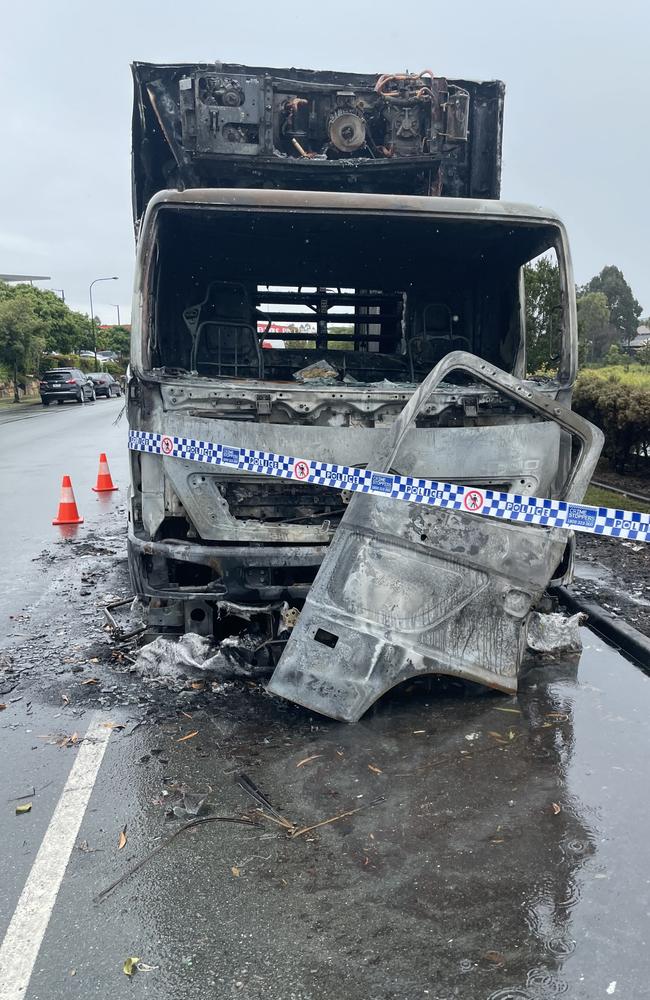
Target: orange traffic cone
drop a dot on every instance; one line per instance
(68, 513)
(104, 482)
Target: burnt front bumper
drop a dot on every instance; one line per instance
(174, 570)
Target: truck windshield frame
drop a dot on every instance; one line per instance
(439, 275)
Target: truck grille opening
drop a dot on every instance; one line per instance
(283, 502)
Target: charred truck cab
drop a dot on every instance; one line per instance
(374, 286)
(408, 279)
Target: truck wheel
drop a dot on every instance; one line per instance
(45, 402)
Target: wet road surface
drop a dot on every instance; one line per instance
(500, 850)
(38, 446)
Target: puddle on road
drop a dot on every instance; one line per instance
(508, 858)
(596, 572)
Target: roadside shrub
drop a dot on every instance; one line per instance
(74, 361)
(628, 374)
(114, 368)
(49, 361)
(621, 408)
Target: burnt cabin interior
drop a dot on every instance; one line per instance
(409, 291)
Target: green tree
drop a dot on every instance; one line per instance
(64, 330)
(118, 339)
(643, 354)
(21, 338)
(615, 356)
(595, 333)
(543, 313)
(624, 310)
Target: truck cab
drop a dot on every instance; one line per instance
(377, 289)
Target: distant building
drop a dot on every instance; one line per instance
(642, 338)
(18, 278)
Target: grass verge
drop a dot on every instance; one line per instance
(597, 497)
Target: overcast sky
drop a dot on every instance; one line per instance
(577, 129)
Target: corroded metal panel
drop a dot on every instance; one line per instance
(406, 589)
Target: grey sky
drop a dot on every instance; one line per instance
(577, 135)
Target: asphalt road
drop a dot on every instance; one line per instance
(38, 446)
(483, 847)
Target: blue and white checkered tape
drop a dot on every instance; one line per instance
(470, 499)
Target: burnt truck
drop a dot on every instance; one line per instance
(359, 214)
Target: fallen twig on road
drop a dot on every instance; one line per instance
(324, 822)
(334, 819)
(292, 829)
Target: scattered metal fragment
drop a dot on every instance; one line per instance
(319, 371)
(120, 634)
(555, 634)
(191, 803)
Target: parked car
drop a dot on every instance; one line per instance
(105, 384)
(66, 383)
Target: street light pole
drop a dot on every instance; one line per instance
(92, 314)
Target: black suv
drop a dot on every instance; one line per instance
(105, 384)
(66, 383)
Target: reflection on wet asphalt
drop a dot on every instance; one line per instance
(37, 447)
(508, 858)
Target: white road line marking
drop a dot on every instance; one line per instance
(22, 942)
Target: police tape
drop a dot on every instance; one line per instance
(469, 499)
